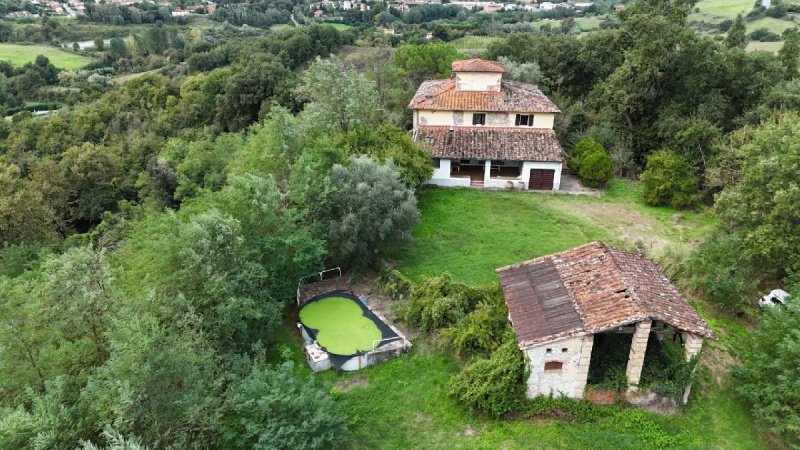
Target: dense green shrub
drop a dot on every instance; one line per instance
(668, 181)
(596, 168)
(494, 386)
(395, 284)
(769, 373)
(583, 147)
(437, 303)
(722, 270)
(372, 211)
(309, 418)
(481, 331)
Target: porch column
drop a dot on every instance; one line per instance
(582, 375)
(692, 345)
(636, 357)
(487, 172)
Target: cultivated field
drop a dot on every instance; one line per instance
(474, 44)
(22, 54)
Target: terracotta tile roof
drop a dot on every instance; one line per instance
(514, 96)
(607, 288)
(477, 65)
(495, 143)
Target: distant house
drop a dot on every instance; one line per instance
(484, 131)
(559, 304)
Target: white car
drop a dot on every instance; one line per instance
(777, 297)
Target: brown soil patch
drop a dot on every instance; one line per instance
(600, 396)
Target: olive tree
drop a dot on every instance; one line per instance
(373, 211)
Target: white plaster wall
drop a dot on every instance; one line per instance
(437, 118)
(443, 171)
(543, 120)
(478, 81)
(528, 165)
(571, 379)
(441, 176)
(445, 118)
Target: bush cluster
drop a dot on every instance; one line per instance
(669, 181)
(592, 163)
(494, 386)
(437, 303)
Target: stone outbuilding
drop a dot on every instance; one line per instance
(558, 303)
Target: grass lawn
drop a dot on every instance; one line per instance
(765, 46)
(470, 232)
(343, 329)
(22, 54)
(339, 26)
(725, 9)
(474, 44)
(774, 25)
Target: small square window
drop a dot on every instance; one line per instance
(564, 350)
(524, 120)
(479, 119)
(436, 162)
(549, 350)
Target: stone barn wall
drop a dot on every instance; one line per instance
(546, 377)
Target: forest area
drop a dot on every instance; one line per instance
(153, 230)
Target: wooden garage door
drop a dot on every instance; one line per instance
(541, 179)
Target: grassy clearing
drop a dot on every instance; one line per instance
(764, 46)
(340, 26)
(770, 23)
(343, 329)
(725, 9)
(22, 54)
(469, 232)
(474, 44)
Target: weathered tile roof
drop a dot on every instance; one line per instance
(591, 289)
(513, 96)
(495, 143)
(477, 65)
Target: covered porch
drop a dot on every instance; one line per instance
(487, 173)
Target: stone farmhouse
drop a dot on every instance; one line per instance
(559, 305)
(484, 131)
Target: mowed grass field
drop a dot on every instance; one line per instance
(726, 9)
(404, 403)
(470, 232)
(474, 44)
(22, 54)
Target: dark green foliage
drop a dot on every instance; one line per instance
(494, 386)
(309, 418)
(789, 54)
(372, 212)
(666, 371)
(389, 142)
(722, 269)
(596, 167)
(737, 34)
(482, 330)
(417, 63)
(668, 181)
(769, 372)
(437, 303)
(760, 200)
(610, 353)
